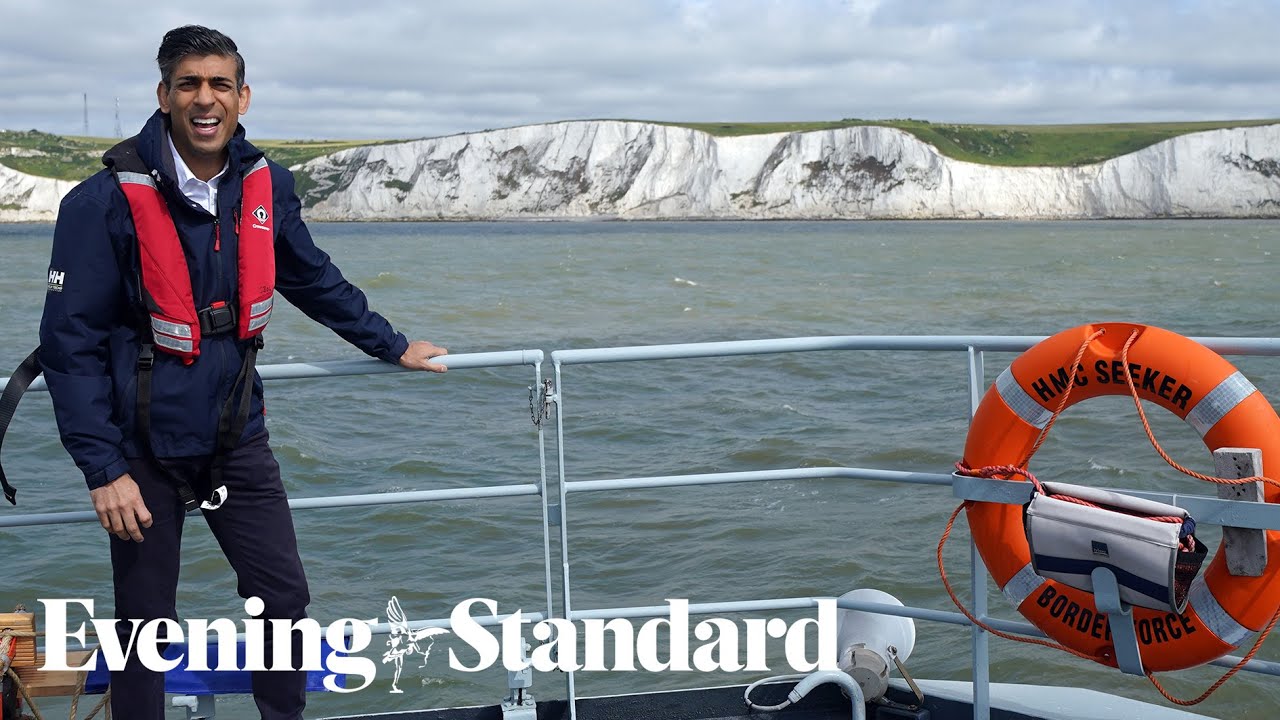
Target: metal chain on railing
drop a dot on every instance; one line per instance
(540, 401)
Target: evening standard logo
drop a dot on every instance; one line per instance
(658, 644)
(403, 642)
(118, 639)
(569, 646)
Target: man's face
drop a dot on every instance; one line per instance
(204, 106)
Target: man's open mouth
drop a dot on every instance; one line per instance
(206, 126)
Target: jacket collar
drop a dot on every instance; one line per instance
(153, 148)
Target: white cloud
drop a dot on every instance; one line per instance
(382, 68)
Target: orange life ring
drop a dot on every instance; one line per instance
(1185, 378)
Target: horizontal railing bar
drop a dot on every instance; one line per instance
(752, 606)
(917, 478)
(1216, 511)
(398, 498)
(1265, 667)
(742, 606)
(1211, 510)
(1016, 627)
(1012, 343)
(368, 366)
(991, 343)
(481, 620)
(336, 501)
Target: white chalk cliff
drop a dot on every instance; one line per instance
(634, 170)
(27, 198)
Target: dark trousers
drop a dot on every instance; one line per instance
(255, 530)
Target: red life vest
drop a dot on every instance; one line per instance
(166, 280)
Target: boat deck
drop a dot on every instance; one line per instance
(944, 700)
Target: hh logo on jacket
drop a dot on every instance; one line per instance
(55, 280)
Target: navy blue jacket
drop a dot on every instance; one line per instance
(89, 335)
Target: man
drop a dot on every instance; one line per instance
(148, 340)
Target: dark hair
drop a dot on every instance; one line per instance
(195, 40)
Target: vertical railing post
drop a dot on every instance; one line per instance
(978, 571)
(977, 379)
(571, 695)
(542, 486)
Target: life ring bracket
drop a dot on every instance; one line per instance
(1251, 516)
(1124, 637)
(1209, 510)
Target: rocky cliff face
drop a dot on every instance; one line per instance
(638, 170)
(643, 171)
(26, 198)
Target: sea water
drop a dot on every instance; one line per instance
(479, 287)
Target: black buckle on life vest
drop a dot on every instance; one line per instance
(146, 357)
(217, 319)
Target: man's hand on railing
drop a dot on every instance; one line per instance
(418, 357)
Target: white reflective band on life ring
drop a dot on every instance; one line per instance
(1215, 619)
(1220, 401)
(1021, 585)
(1019, 401)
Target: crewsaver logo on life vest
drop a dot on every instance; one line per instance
(261, 216)
(56, 278)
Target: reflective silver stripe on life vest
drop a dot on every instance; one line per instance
(1021, 585)
(262, 162)
(164, 326)
(260, 321)
(137, 179)
(260, 307)
(1019, 401)
(183, 346)
(1220, 401)
(1216, 620)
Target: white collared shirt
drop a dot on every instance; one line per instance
(204, 194)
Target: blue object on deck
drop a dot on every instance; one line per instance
(181, 681)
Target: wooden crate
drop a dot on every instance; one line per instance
(25, 647)
(51, 683)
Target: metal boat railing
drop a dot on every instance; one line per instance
(552, 394)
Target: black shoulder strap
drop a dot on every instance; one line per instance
(146, 359)
(235, 413)
(18, 383)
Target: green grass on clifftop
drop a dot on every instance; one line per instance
(75, 158)
(1010, 145)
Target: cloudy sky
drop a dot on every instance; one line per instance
(408, 68)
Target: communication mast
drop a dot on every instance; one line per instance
(86, 114)
(119, 132)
